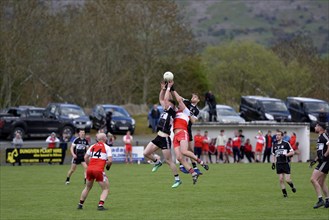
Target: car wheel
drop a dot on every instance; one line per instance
(69, 131)
(18, 129)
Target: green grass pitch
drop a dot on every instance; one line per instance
(226, 191)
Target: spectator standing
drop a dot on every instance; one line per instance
(63, 142)
(297, 152)
(260, 140)
(248, 151)
(286, 136)
(18, 143)
(242, 143)
(212, 150)
(108, 120)
(211, 102)
(18, 140)
(128, 140)
(319, 175)
(52, 140)
(97, 156)
(282, 151)
(205, 147)
(268, 147)
(110, 139)
(293, 142)
(236, 143)
(155, 115)
(220, 144)
(198, 142)
(228, 150)
(274, 140)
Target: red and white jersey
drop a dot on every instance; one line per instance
(127, 139)
(98, 153)
(260, 139)
(181, 120)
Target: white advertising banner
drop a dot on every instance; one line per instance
(118, 153)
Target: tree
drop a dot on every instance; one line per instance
(98, 52)
(245, 68)
(300, 51)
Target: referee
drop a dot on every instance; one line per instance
(282, 151)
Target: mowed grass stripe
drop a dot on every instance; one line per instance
(226, 191)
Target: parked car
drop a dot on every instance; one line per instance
(25, 120)
(73, 116)
(121, 119)
(225, 114)
(29, 121)
(259, 108)
(307, 110)
(149, 115)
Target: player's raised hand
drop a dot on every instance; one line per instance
(170, 83)
(163, 85)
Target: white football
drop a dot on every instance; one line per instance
(168, 76)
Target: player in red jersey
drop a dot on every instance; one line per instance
(181, 137)
(128, 140)
(97, 156)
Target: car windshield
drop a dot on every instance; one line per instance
(317, 106)
(275, 106)
(117, 112)
(72, 111)
(226, 112)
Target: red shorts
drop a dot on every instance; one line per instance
(129, 148)
(259, 147)
(97, 175)
(221, 149)
(205, 147)
(229, 151)
(182, 135)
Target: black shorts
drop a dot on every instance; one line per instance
(283, 168)
(79, 160)
(323, 167)
(162, 142)
(190, 136)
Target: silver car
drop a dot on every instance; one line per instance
(225, 114)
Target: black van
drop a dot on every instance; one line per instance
(307, 110)
(259, 108)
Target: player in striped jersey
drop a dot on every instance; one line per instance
(282, 151)
(181, 137)
(163, 140)
(97, 156)
(194, 112)
(320, 172)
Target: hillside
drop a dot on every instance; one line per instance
(262, 21)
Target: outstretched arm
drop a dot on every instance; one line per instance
(180, 100)
(167, 94)
(162, 93)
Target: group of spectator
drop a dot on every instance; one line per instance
(239, 147)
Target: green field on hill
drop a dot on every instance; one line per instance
(226, 191)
